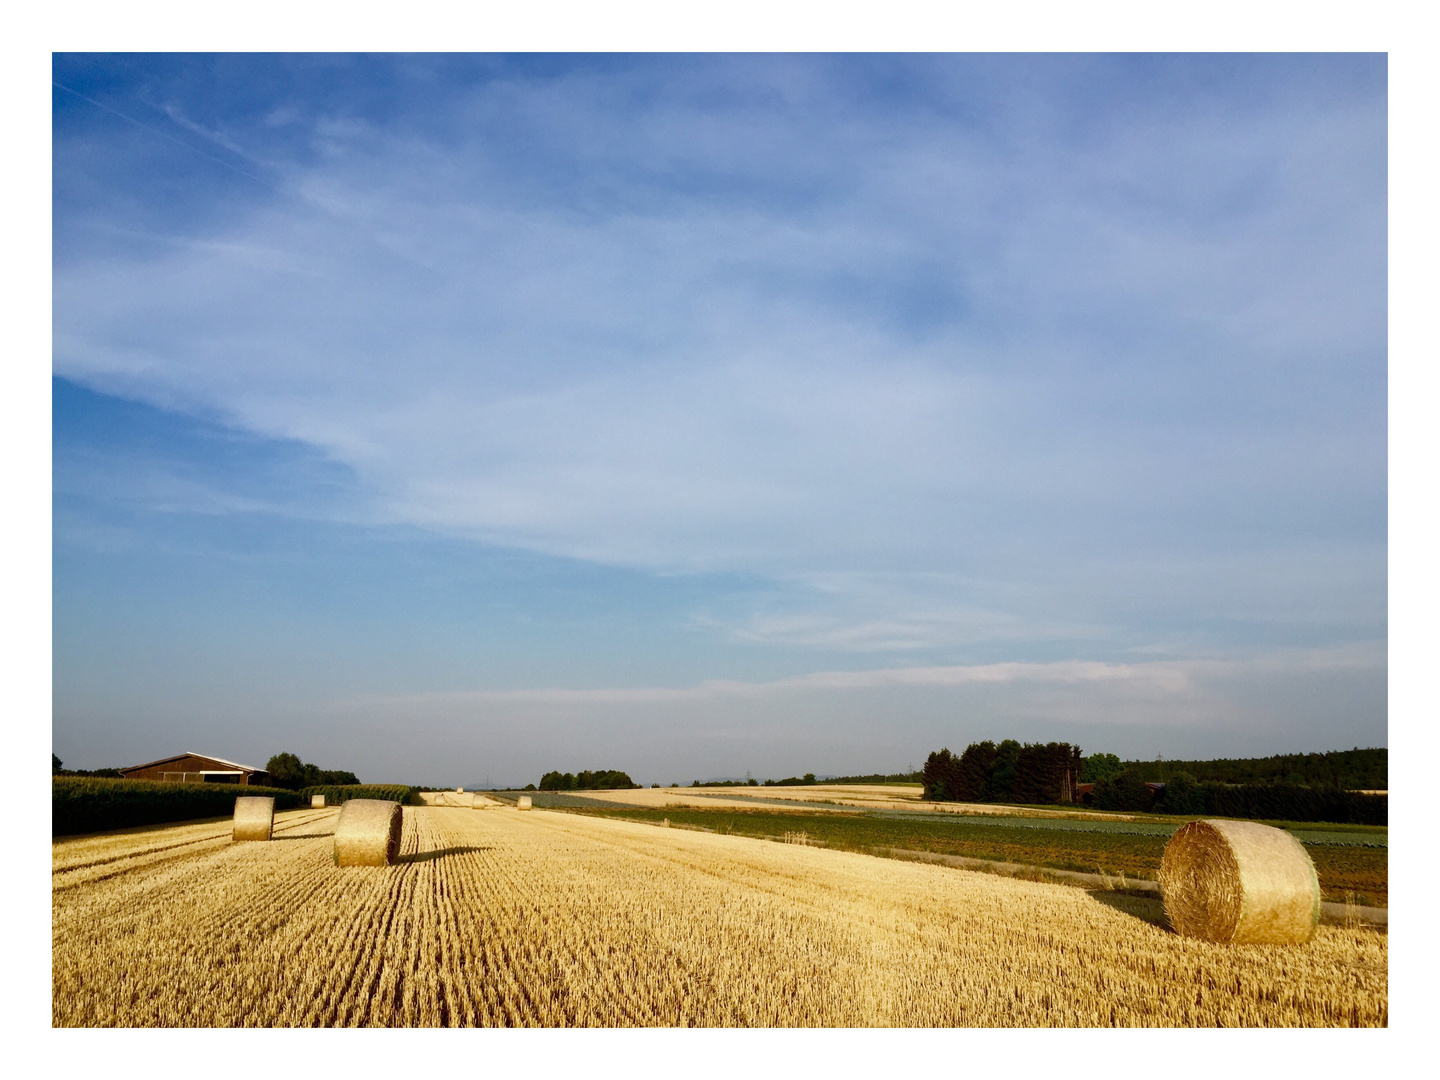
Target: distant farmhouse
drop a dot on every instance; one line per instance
(196, 769)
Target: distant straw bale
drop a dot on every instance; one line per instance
(1239, 882)
(254, 817)
(317, 801)
(367, 833)
(522, 803)
(444, 798)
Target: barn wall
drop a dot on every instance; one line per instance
(188, 769)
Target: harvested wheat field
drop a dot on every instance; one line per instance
(837, 797)
(553, 919)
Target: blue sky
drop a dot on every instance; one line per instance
(469, 417)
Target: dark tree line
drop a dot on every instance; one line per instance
(878, 778)
(1294, 787)
(1183, 794)
(792, 781)
(600, 780)
(289, 772)
(1357, 770)
(57, 768)
(1003, 772)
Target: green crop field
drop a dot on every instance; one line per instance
(1347, 867)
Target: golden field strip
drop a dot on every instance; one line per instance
(827, 797)
(497, 917)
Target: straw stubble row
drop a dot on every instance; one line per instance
(551, 919)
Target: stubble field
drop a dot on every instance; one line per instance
(495, 917)
(1346, 872)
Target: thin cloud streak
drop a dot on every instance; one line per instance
(699, 385)
(1153, 677)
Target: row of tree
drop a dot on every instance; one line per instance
(877, 778)
(57, 768)
(600, 780)
(1357, 769)
(792, 781)
(1184, 794)
(289, 772)
(1003, 772)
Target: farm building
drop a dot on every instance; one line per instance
(196, 769)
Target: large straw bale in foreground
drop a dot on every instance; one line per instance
(254, 817)
(367, 833)
(1239, 882)
(522, 803)
(317, 801)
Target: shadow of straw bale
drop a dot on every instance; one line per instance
(1145, 908)
(439, 853)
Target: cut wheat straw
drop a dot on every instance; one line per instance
(1239, 882)
(254, 817)
(368, 833)
(557, 920)
(317, 801)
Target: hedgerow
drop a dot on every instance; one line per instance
(339, 793)
(1289, 802)
(82, 804)
(1282, 802)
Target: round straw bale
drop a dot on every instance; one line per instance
(367, 833)
(1241, 883)
(522, 803)
(317, 801)
(254, 817)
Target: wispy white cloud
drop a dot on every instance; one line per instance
(1096, 375)
(859, 721)
(1153, 680)
(219, 138)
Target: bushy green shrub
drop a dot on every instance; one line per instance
(1181, 795)
(82, 804)
(1099, 767)
(340, 793)
(288, 771)
(1124, 791)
